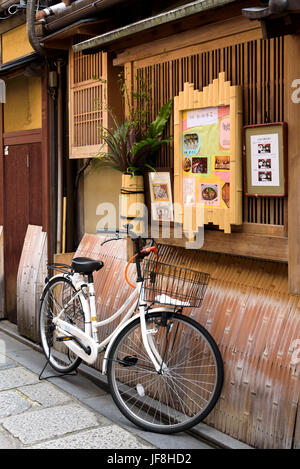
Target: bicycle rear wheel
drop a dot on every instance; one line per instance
(185, 393)
(57, 293)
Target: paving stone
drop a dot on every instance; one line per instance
(14, 377)
(111, 437)
(45, 394)
(38, 425)
(12, 403)
(7, 441)
(6, 362)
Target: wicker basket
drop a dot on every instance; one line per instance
(171, 285)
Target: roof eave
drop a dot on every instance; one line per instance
(149, 23)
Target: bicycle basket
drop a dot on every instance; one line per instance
(172, 285)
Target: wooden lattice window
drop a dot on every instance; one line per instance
(88, 97)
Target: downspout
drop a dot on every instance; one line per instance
(35, 44)
(59, 163)
(30, 21)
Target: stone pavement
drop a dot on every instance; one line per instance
(65, 412)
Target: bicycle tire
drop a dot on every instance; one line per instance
(169, 402)
(58, 354)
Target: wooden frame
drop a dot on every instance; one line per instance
(86, 93)
(274, 162)
(217, 94)
(149, 198)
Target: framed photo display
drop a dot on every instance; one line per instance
(265, 160)
(160, 196)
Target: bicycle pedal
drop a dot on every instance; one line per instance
(129, 360)
(63, 338)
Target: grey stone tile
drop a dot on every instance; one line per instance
(35, 426)
(11, 403)
(6, 362)
(78, 386)
(12, 345)
(7, 441)
(45, 394)
(106, 406)
(14, 377)
(111, 437)
(175, 441)
(30, 359)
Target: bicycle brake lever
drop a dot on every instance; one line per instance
(116, 238)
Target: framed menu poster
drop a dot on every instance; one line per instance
(208, 154)
(159, 195)
(265, 160)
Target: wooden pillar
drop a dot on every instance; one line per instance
(292, 117)
(1, 168)
(46, 162)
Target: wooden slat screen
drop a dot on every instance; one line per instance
(87, 86)
(257, 66)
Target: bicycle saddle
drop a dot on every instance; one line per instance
(84, 265)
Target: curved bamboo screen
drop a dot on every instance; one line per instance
(255, 323)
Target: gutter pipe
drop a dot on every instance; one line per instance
(30, 21)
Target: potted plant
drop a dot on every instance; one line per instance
(131, 147)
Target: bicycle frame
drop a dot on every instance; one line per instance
(90, 337)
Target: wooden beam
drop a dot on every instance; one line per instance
(248, 244)
(235, 30)
(292, 116)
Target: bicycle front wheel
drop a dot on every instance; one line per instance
(187, 388)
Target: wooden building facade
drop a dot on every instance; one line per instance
(252, 304)
(251, 307)
(24, 185)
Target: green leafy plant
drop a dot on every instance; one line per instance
(131, 146)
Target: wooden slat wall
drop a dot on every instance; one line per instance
(257, 66)
(254, 321)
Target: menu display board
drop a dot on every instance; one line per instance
(206, 156)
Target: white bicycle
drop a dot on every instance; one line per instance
(164, 369)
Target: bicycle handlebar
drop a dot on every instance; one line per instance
(141, 252)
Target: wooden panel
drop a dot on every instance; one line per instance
(23, 205)
(254, 321)
(25, 136)
(2, 309)
(230, 31)
(35, 186)
(31, 280)
(15, 219)
(257, 65)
